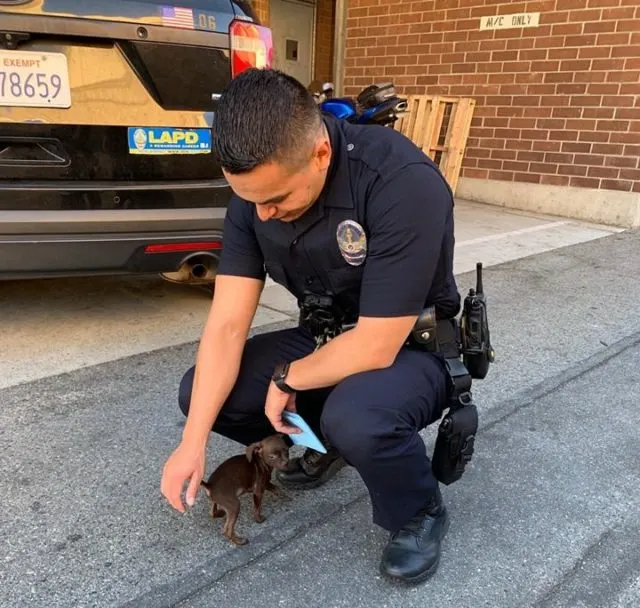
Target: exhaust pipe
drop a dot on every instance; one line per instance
(201, 272)
(197, 269)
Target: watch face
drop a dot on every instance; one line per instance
(280, 372)
(279, 377)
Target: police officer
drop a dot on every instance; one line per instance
(358, 214)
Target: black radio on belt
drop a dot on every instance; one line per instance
(475, 338)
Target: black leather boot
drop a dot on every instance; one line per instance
(413, 552)
(312, 469)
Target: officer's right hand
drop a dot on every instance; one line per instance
(187, 462)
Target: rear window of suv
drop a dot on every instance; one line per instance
(210, 5)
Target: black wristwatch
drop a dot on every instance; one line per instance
(280, 375)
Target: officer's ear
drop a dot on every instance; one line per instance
(322, 153)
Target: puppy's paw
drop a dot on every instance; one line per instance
(259, 518)
(284, 496)
(278, 492)
(239, 540)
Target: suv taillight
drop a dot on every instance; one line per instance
(251, 46)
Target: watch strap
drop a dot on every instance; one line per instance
(279, 378)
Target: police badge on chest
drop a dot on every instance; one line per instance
(352, 242)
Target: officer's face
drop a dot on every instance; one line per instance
(280, 193)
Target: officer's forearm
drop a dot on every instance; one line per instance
(347, 354)
(217, 367)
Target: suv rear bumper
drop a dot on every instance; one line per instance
(37, 244)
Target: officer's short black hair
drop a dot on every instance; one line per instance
(263, 116)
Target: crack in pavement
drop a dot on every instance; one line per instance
(587, 583)
(522, 400)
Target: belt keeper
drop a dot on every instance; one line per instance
(460, 377)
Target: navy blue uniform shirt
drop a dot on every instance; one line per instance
(379, 237)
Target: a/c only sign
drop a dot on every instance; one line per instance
(504, 22)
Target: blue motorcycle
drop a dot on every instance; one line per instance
(375, 105)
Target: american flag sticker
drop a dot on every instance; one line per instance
(174, 16)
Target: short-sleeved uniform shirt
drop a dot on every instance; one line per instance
(379, 238)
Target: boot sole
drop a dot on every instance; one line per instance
(334, 467)
(423, 576)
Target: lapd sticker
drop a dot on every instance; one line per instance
(352, 242)
(162, 140)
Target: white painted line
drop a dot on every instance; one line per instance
(505, 235)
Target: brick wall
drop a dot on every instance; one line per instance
(325, 15)
(557, 104)
(262, 9)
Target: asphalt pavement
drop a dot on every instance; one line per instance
(548, 515)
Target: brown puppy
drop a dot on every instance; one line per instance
(249, 472)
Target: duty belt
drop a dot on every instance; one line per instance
(428, 333)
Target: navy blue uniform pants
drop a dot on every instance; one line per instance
(371, 418)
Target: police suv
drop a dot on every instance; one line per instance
(106, 164)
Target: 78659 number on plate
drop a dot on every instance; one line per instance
(33, 79)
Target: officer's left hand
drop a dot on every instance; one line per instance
(277, 401)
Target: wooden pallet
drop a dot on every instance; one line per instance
(440, 126)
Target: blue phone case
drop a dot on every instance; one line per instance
(307, 438)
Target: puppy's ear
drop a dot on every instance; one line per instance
(252, 449)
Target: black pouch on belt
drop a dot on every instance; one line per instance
(435, 335)
(457, 431)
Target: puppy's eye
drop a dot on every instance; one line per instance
(272, 456)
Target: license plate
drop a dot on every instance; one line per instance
(34, 79)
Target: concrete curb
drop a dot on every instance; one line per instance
(608, 207)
